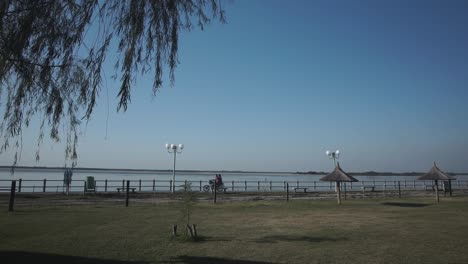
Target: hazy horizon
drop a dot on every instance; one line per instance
(385, 82)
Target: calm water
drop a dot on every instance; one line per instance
(29, 174)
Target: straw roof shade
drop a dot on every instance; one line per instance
(338, 175)
(435, 174)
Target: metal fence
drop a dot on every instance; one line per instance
(108, 186)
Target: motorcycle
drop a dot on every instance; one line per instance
(211, 186)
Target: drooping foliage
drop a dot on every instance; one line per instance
(52, 54)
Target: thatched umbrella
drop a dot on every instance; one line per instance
(435, 174)
(338, 176)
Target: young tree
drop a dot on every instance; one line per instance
(50, 67)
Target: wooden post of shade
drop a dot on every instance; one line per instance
(12, 196)
(338, 193)
(287, 192)
(437, 190)
(44, 185)
(127, 193)
(344, 190)
(450, 187)
(105, 186)
(399, 190)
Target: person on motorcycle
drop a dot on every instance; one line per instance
(219, 180)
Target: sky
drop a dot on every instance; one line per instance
(281, 82)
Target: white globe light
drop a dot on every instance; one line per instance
(172, 146)
(167, 146)
(181, 146)
(337, 152)
(328, 153)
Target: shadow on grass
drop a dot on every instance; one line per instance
(406, 204)
(211, 260)
(21, 257)
(292, 238)
(203, 239)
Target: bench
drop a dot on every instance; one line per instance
(432, 188)
(300, 188)
(123, 189)
(368, 187)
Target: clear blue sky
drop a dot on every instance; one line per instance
(284, 81)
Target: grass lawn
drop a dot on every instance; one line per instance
(303, 231)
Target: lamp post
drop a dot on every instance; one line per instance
(333, 155)
(173, 148)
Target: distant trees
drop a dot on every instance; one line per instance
(52, 54)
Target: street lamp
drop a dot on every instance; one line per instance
(173, 148)
(333, 155)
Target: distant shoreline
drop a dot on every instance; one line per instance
(366, 173)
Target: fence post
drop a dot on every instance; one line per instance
(12, 196)
(139, 186)
(232, 185)
(127, 194)
(154, 185)
(414, 185)
(105, 186)
(330, 186)
(245, 185)
(215, 191)
(287, 192)
(200, 185)
(170, 186)
(44, 186)
(123, 185)
(297, 184)
(258, 186)
(399, 190)
(271, 187)
(315, 186)
(19, 185)
(84, 187)
(284, 185)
